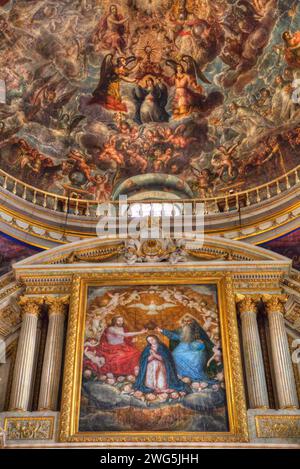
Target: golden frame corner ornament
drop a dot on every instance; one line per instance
(70, 408)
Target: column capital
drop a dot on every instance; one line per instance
(247, 303)
(57, 305)
(31, 305)
(274, 303)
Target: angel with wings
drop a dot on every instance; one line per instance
(108, 93)
(47, 102)
(223, 162)
(188, 93)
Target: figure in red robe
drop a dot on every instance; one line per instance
(292, 48)
(92, 361)
(111, 31)
(121, 357)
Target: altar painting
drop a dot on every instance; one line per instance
(152, 360)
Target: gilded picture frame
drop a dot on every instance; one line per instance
(70, 407)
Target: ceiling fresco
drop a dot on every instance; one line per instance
(193, 94)
(12, 251)
(287, 245)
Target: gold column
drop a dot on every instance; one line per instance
(281, 357)
(52, 364)
(24, 365)
(254, 364)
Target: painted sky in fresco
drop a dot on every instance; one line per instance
(288, 245)
(197, 89)
(12, 251)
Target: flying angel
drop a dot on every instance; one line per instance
(189, 94)
(107, 93)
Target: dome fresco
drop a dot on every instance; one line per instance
(196, 95)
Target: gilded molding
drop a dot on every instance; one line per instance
(275, 303)
(230, 345)
(277, 426)
(5, 280)
(51, 289)
(247, 303)
(211, 254)
(29, 428)
(57, 305)
(98, 254)
(31, 305)
(10, 317)
(12, 288)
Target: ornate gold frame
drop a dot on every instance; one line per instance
(237, 415)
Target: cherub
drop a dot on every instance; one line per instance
(167, 295)
(292, 48)
(208, 323)
(134, 296)
(110, 152)
(80, 163)
(162, 159)
(115, 299)
(178, 139)
(217, 356)
(95, 322)
(179, 296)
(223, 160)
(100, 187)
(203, 181)
(136, 160)
(92, 356)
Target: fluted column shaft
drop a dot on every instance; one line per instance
(52, 364)
(281, 356)
(254, 364)
(22, 377)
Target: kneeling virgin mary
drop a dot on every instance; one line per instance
(157, 371)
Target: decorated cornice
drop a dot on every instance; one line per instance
(10, 318)
(255, 271)
(100, 254)
(99, 250)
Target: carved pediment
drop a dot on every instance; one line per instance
(100, 254)
(150, 250)
(131, 251)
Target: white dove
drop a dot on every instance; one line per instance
(152, 308)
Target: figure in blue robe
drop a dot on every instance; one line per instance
(191, 354)
(173, 382)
